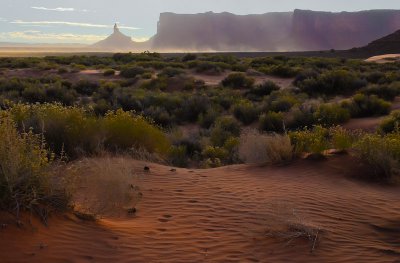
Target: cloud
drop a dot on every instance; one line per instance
(140, 39)
(64, 23)
(38, 36)
(58, 9)
(3, 19)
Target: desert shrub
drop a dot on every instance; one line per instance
(386, 92)
(101, 107)
(189, 57)
(246, 112)
(382, 153)
(214, 156)
(75, 131)
(259, 91)
(283, 71)
(271, 122)
(25, 181)
(261, 148)
(300, 116)
(67, 129)
(207, 119)
(391, 123)
(160, 83)
(341, 139)
(363, 106)
(238, 81)
(333, 82)
(315, 140)
(62, 70)
(132, 72)
(159, 115)
(34, 94)
(215, 152)
(109, 72)
(207, 67)
(375, 77)
(331, 114)
(177, 156)
(86, 87)
(124, 130)
(170, 72)
(147, 75)
(224, 128)
(281, 103)
(192, 107)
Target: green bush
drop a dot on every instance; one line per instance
(259, 91)
(207, 119)
(382, 153)
(86, 87)
(224, 128)
(132, 72)
(124, 131)
(386, 92)
(246, 112)
(170, 72)
(335, 82)
(271, 122)
(314, 141)
(238, 81)
(331, 114)
(391, 123)
(109, 72)
(364, 106)
(75, 131)
(177, 156)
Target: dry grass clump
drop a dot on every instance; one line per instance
(103, 186)
(288, 225)
(261, 148)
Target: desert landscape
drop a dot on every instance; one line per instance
(209, 141)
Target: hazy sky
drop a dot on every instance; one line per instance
(84, 21)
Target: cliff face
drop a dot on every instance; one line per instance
(289, 31)
(323, 30)
(221, 32)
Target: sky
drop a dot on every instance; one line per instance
(88, 21)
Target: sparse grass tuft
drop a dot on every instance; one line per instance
(261, 148)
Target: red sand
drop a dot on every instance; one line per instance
(222, 215)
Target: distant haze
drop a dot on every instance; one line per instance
(77, 21)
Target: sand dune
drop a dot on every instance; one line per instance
(388, 58)
(224, 215)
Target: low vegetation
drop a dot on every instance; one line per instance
(154, 104)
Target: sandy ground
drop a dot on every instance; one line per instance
(224, 215)
(370, 124)
(388, 58)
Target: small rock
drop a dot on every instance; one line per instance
(146, 169)
(172, 170)
(131, 210)
(42, 246)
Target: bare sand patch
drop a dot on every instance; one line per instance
(238, 213)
